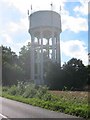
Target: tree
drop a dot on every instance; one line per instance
(53, 76)
(72, 75)
(88, 69)
(24, 62)
(77, 73)
(10, 69)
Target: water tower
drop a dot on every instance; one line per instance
(45, 29)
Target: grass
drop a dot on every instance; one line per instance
(78, 101)
(0, 90)
(73, 103)
(74, 96)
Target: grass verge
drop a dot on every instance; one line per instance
(60, 104)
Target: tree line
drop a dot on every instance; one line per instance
(73, 75)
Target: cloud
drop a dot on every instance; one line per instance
(13, 27)
(78, 1)
(76, 49)
(72, 23)
(21, 44)
(7, 39)
(20, 5)
(17, 46)
(83, 8)
(75, 24)
(21, 25)
(23, 5)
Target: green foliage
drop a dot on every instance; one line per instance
(13, 90)
(24, 62)
(77, 73)
(20, 88)
(88, 69)
(5, 89)
(40, 96)
(42, 90)
(30, 91)
(15, 68)
(65, 88)
(11, 71)
(73, 75)
(47, 97)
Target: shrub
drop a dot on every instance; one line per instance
(40, 96)
(30, 91)
(42, 90)
(13, 90)
(47, 97)
(21, 88)
(5, 89)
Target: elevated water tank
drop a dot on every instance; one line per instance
(45, 29)
(45, 20)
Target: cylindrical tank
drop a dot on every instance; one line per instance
(45, 20)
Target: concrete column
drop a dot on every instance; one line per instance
(53, 48)
(58, 50)
(41, 36)
(38, 42)
(38, 61)
(32, 58)
(48, 47)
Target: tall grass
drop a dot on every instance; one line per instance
(40, 96)
(0, 90)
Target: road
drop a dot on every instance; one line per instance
(14, 109)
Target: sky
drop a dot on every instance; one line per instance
(14, 25)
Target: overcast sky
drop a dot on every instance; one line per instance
(74, 18)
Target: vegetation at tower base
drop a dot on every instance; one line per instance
(11, 71)
(88, 69)
(72, 75)
(15, 68)
(74, 103)
(24, 62)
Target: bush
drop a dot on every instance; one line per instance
(39, 96)
(13, 90)
(47, 97)
(21, 88)
(42, 90)
(5, 89)
(30, 91)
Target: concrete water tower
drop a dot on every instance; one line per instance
(45, 29)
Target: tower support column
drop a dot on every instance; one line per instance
(53, 48)
(32, 58)
(48, 48)
(58, 50)
(41, 36)
(38, 61)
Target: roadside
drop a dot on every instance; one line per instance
(14, 109)
(66, 101)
